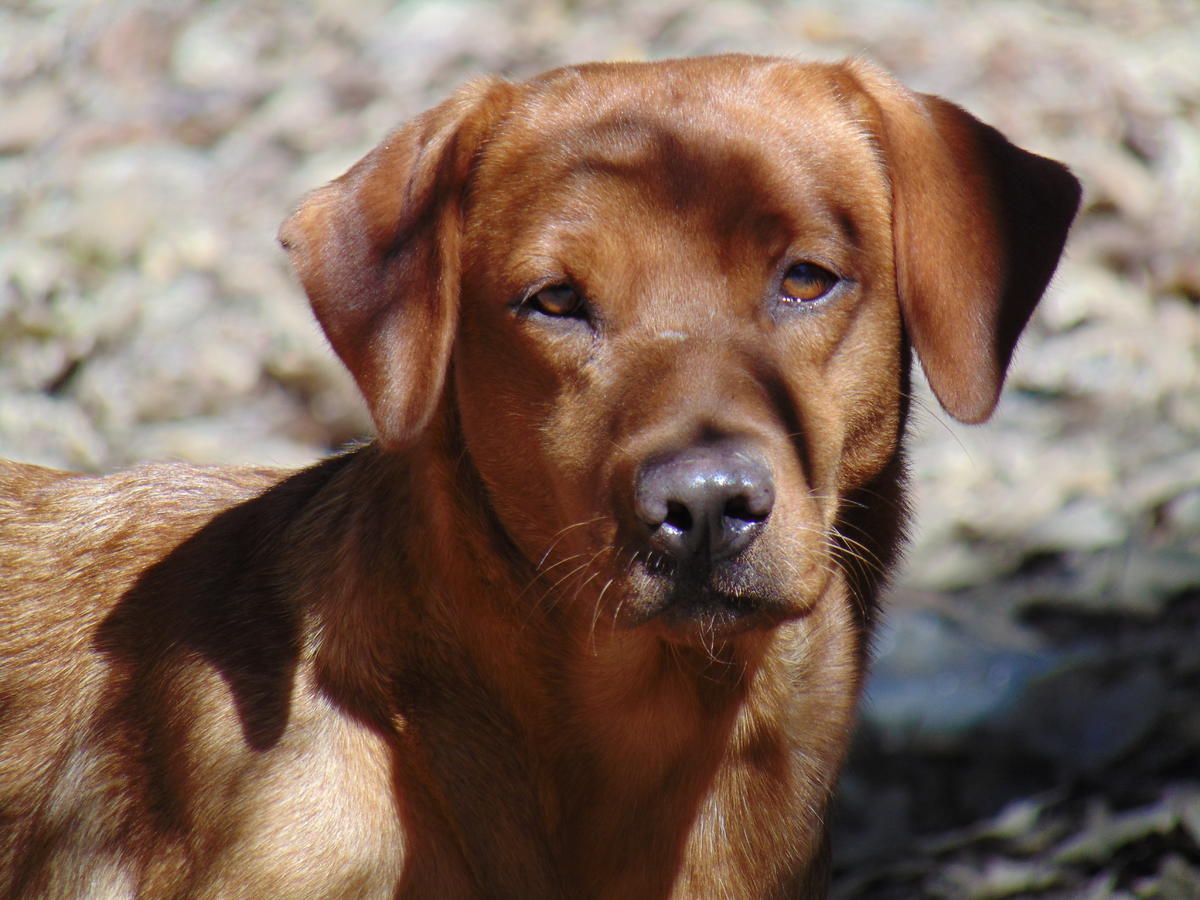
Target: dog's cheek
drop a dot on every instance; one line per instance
(510, 390)
(577, 444)
(868, 379)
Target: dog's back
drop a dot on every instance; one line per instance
(161, 729)
(72, 548)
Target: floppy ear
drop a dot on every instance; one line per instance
(978, 227)
(378, 253)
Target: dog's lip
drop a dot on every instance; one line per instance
(705, 614)
(695, 605)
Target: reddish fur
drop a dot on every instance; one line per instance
(432, 667)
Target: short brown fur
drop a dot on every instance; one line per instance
(453, 663)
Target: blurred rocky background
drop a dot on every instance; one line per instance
(1033, 725)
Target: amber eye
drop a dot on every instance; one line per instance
(806, 282)
(558, 300)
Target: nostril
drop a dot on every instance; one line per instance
(678, 516)
(743, 509)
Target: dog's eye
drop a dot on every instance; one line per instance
(806, 282)
(558, 300)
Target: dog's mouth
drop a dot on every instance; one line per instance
(716, 602)
(707, 615)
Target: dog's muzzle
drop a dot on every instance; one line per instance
(700, 509)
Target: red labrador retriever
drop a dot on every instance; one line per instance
(589, 618)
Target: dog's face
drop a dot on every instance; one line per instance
(674, 301)
(683, 348)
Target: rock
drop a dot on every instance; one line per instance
(1107, 832)
(932, 680)
(32, 117)
(1083, 524)
(1084, 718)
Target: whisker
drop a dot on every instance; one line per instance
(562, 532)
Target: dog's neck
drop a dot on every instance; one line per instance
(605, 761)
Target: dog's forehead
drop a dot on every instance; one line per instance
(689, 87)
(636, 114)
(734, 147)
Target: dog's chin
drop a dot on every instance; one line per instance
(708, 617)
(703, 610)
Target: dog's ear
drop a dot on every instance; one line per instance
(978, 227)
(378, 253)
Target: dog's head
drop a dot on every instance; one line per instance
(669, 306)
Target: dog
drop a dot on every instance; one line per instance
(590, 616)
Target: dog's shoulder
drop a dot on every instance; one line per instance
(33, 490)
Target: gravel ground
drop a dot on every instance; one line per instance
(1033, 727)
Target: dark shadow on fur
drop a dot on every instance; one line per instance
(218, 598)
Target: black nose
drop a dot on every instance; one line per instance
(705, 503)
